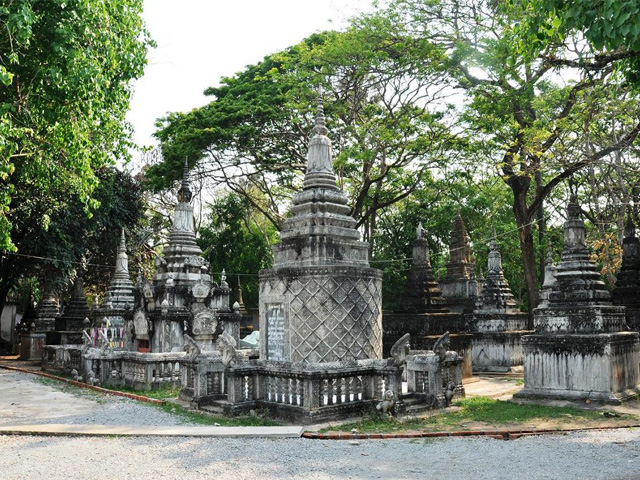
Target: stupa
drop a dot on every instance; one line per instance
(627, 290)
(580, 349)
(497, 321)
(182, 298)
(460, 287)
(321, 302)
(120, 296)
(75, 317)
(422, 312)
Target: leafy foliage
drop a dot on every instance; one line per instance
(66, 69)
(252, 136)
(74, 243)
(236, 239)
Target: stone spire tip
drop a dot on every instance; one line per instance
(629, 228)
(320, 127)
(493, 244)
(123, 242)
(184, 194)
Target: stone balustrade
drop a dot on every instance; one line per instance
(297, 392)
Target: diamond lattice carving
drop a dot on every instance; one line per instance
(335, 319)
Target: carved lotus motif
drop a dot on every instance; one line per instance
(205, 322)
(200, 291)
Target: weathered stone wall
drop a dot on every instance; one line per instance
(321, 314)
(498, 351)
(600, 367)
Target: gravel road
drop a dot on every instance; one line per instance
(28, 399)
(607, 455)
(612, 455)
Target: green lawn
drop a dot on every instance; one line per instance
(494, 413)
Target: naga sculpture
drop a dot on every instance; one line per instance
(400, 350)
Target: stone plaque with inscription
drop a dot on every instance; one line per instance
(276, 326)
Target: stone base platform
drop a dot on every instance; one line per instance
(31, 345)
(599, 367)
(498, 352)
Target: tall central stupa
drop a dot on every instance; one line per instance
(321, 302)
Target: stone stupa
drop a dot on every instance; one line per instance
(580, 349)
(421, 292)
(321, 302)
(497, 321)
(182, 298)
(120, 295)
(627, 290)
(75, 317)
(460, 287)
(422, 311)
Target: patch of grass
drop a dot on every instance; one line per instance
(517, 380)
(483, 410)
(202, 418)
(163, 393)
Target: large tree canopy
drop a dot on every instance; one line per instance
(530, 103)
(387, 130)
(73, 242)
(65, 73)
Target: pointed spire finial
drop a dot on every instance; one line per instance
(184, 194)
(493, 244)
(123, 242)
(549, 253)
(320, 127)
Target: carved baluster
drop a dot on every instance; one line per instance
(324, 398)
(330, 390)
(297, 394)
(339, 390)
(272, 389)
(347, 389)
(284, 384)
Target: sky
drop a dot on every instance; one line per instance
(200, 41)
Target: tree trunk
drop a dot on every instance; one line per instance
(525, 236)
(540, 220)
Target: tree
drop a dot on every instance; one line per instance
(252, 137)
(66, 70)
(529, 120)
(73, 243)
(237, 238)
